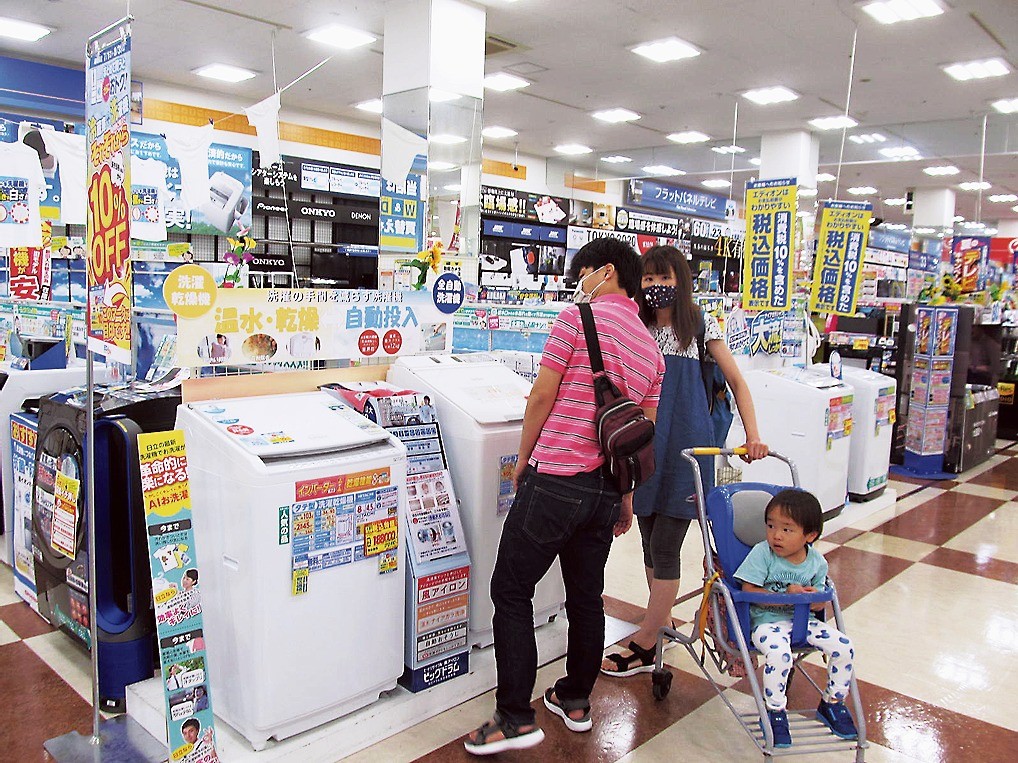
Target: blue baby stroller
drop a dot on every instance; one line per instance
(732, 522)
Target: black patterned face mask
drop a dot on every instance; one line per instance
(659, 297)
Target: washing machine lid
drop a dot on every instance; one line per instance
(809, 378)
(285, 426)
(488, 392)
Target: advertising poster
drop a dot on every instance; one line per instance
(258, 325)
(31, 268)
(15, 128)
(765, 331)
(319, 177)
(24, 431)
(642, 222)
(228, 209)
(924, 331)
(176, 590)
(651, 194)
(970, 259)
(521, 205)
(767, 269)
(107, 111)
(844, 226)
(433, 521)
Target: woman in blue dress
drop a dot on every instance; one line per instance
(666, 504)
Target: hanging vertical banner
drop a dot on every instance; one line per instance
(176, 591)
(844, 227)
(31, 269)
(767, 272)
(970, 258)
(107, 115)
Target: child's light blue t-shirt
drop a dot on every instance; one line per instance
(766, 569)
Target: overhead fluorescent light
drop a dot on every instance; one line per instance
(616, 159)
(573, 149)
(862, 190)
(767, 96)
(690, 136)
(225, 73)
(973, 225)
(946, 169)
(436, 95)
(974, 185)
(893, 11)
(340, 36)
(22, 30)
(894, 226)
(662, 170)
(808, 192)
(1000, 198)
(503, 81)
(959, 219)
(438, 166)
(374, 106)
(899, 202)
(498, 132)
(825, 177)
(833, 123)
(755, 161)
(900, 152)
(453, 187)
(873, 137)
(445, 139)
(924, 231)
(668, 49)
(716, 183)
(728, 149)
(615, 116)
(1014, 209)
(1006, 105)
(982, 69)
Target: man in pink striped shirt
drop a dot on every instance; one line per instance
(564, 506)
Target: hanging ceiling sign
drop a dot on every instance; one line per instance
(651, 194)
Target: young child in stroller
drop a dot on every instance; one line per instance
(787, 563)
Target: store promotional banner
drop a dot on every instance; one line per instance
(521, 205)
(243, 326)
(319, 177)
(891, 240)
(228, 209)
(641, 222)
(767, 269)
(176, 592)
(684, 201)
(31, 268)
(107, 114)
(970, 259)
(844, 226)
(402, 206)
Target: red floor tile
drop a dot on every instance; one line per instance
(1003, 475)
(24, 621)
(963, 561)
(856, 573)
(941, 518)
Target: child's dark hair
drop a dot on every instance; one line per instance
(801, 507)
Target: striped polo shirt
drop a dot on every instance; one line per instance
(568, 441)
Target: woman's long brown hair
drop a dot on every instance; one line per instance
(686, 317)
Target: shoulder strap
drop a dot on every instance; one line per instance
(706, 373)
(593, 345)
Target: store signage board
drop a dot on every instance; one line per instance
(652, 194)
(402, 208)
(523, 206)
(936, 332)
(229, 208)
(635, 221)
(279, 325)
(108, 250)
(891, 241)
(176, 591)
(577, 237)
(970, 259)
(844, 226)
(305, 210)
(320, 178)
(31, 269)
(767, 266)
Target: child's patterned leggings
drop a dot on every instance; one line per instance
(773, 640)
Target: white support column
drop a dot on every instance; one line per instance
(933, 208)
(1007, 228)
(793, 154)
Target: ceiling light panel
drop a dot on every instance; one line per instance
(438, 166)
(899, 202)
(617, 159)
(862, 190)
(873, 137)
(825, 177)
(373, 106)
(341, 37)
(503, 81)
(975, 186)
(716, 183)
(616, 115)
(690, 136)
(833, 123)
(893, 11)
(1006, 105)
(728, 149)
(662, 170)
(668, 49)
(225, 73)
(900, 152)
(755, 161)
(767, 96)
(22, 30)
(444, 139)
(573, 149)
(1000, 198)
(497, 132)
(982, 69)
(946, 169)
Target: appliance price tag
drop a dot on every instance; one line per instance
(380, 536)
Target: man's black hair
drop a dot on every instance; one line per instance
(801, 507)
(610, 251)
(191, 722)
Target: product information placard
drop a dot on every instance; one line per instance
(107, 114)
(840, 244)
(236, 326)
(767, 269)
(176, 593)
(31, 269)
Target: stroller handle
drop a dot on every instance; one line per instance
(690, 455)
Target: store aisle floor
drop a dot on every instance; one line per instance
(930, 591)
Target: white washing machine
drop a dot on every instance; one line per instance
(17, 386)
(873, 413)
(302, 624)
(806, 416)
(480, 404)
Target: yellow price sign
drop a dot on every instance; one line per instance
(300, 581)
(861, 343)
(382, 535)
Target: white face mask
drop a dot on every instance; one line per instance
(580, 296)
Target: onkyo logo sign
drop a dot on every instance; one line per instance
(320, 212)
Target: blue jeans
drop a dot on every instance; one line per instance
(572, 518)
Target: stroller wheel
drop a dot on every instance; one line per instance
(661, 681)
